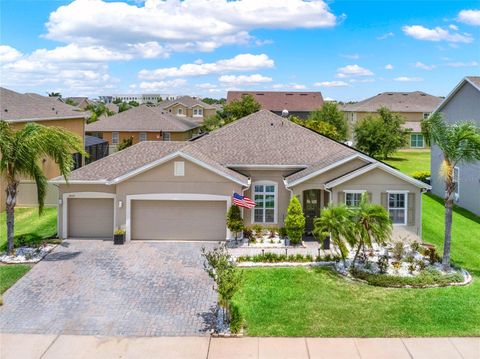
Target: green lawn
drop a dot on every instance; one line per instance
(317, 302)
(9, 274)
(410, 161)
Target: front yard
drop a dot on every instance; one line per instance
(317, 302)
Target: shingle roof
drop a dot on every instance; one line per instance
(187, 101)
(142, 119)
(475, 80)
(17, 107)
(279, 101)
(416, 101)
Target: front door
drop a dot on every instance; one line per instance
(311, 207)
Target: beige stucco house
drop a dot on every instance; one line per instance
(187, 106)
(182, 190)
(413, 106)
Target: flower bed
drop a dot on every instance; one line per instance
(27, 254)
(292, 258)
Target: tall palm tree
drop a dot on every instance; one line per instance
(459, 143)
(20, 154)
(336, 222)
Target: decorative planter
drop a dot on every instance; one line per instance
(118, 238)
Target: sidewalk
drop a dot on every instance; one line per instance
(32, 346)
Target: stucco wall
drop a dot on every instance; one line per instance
(464, 106)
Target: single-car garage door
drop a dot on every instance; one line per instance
(90, 218)
(178, 220)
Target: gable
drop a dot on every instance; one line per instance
(463, 105)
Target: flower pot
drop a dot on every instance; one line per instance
(118, 238)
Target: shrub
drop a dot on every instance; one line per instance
(258, 229)
(295, 221)
(409, 259)
(272, 232)
(411, 267)
(421, 264)
(126, 142)
(397, 265)
(269, 257)
(421, 175)
(282, 232)
(415, 246)
(235, 220)
(248, 233)
(433, 257)
(236, 318)
(398, 250)
(382, 264)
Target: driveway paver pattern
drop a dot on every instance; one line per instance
(93, 287)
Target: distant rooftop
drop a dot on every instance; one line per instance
(279, 100)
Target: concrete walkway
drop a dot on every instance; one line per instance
(36, 346)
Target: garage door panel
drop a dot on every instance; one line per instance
(90, 218)
(178, 220)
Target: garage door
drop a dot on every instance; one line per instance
(178, 220)
(90, 218)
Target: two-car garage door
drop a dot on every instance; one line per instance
(178, 220)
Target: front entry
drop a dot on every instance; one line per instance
(311, 207)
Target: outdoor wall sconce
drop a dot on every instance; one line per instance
(60, 201)
(120, 204)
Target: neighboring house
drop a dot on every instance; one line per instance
(413, 106)
(462, 104)
(182, 190)
(80, 102)
(141, 98)
(298, 104)
(142, 123)
(19, 109)
(187, 106)
(112, 107)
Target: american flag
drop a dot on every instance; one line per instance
(242, 201)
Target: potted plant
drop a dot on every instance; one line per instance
(119, 236)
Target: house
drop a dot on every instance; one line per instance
(182, 190)
(19, 109)
(152, 98)
(298, 104)
(142, 123)
(413, 106)
(462, 104)
(187, 106)
(80, 102)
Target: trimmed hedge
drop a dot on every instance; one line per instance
(276, 258)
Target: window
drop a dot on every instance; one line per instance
(198, 112)
(264, 195)
(179, 168)
(397, 207)
(426, 115)
(142, 136)
(456, 182)
(114, 138)
(353, 199)
(179, 111)
(166, 136)
(416, 140)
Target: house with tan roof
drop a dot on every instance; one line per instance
(187, 106)
(298, 104)
(413, 106)
(142, 123)
(19, 109)
(182, 190)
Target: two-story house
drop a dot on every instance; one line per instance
(187, 106)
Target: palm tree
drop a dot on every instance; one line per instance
(372, 224)
(21, 152)
(336, 222)
(459, 143)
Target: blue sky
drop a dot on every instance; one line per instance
(349, 50)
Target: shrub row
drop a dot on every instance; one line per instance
(276, 258)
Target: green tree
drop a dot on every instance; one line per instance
(133, 103)
(235, 220)
(459, 143)
(214, 101)
(126, 142)
(98, 110)
(295, 221)
(70, 102)
(123, 106)
(381, 135)
(21, 152)
(330, 114)
(117, 101)
(54, 94)
(322, 128)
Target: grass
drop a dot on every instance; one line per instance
(317, 302)
(410, 161)
(9, 274)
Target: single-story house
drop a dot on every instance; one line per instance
(182, 190)
(413, 106)
(142, 123)
(293, 103)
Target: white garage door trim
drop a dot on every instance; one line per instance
(172, 197)
(73, 195)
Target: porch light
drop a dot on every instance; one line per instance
(60, 201)
(120, 204)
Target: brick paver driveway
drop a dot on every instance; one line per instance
(93, 287)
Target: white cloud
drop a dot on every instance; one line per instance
(161, 86)
(331, 84)
(353, 70)
(8, 53)
(388, 67)
(436, 34)
(463, 64)
(407, 79)
(361, 80)
(385, 36)
(421, 65)
(242, 62)
(172, 25)
(470, 17)
(290, 86)
(244, 79)
(351, 56)
(453, 27)
(76, 53)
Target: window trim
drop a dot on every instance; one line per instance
(275, 205)
(352, 191)
(405, 209)
(179, 168)
(140, 134)
(117, 136)
(180, 111)
(169, 136)
(417, 134)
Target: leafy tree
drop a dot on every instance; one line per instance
(214, 101)
(126, 142)
(70, 102)
(232, 112)
(22, 150)
(330, 114)
(382, 134)
(117, 101)
(322, 128)
(133, 103)
(123, 106)
(235, 220)
(459, 143)
(295, 221)
(54, 94)
(98, 110)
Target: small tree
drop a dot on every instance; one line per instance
(235, 220)
(295, 221)
(126, 142)
(330, 114)
(323, 128)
